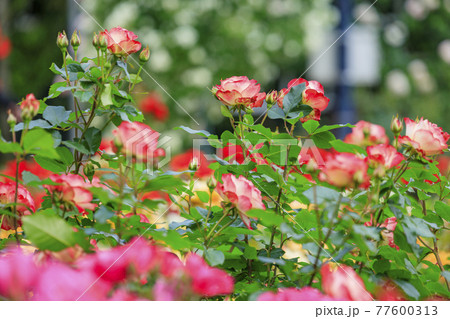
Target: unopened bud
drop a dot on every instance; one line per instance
(30, 107)
(271, 98)
(144, 55)
(211, 183)
(358, 177)
(396, 126)
(193, 165)
(103, 40)
(379, 171)
(75, 40)
(95, 41)
(61, 41)
(11, 120)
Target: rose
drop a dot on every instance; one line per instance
(73, 191)
(25, 204)
(242, 195)
(30, 107)
(313, 95)
(137, 140)
(18, 275)
(425, 137)
(388, 233)
(181, 162)
(341, 281)
(239, 91)
(345, 170)
(153, 105)
(365, 134)
(385, 155)
(207, 281)
(121, 42)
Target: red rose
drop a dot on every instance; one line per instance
(25, 203)
(29, 106)
(239, 91)
(122, 42)
(5, 46)
(389, 227)
(313, 95)
(137, 140)
(341, 281)
(242, 194)
(345, 170)
(153, 105)
(72, 190)
(207, 281)
(181, 162)
(365, 134)
(385, 155)
(426, 137)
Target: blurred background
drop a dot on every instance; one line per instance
(394, 56)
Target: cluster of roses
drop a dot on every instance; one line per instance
(109, 275)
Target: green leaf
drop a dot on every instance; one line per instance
(294, 97)
(442, 210)
(93, 137)
(214, 257)
(409, 289)
(340, 146)
(34, 123)
(9, 147)
(276, 113)
(250, 252)
(381, 265)
(39, 142)
(65, 155)
(103, 214)
(225, 111)
(50, 164)
(203, 196)
(310, 126)
(323, 139)
(47, 231)
(56, 114)
(266, 217)
(332, 127)
(75, 145)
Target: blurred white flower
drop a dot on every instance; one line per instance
(185, 36)
(397, 82)
(444, 50)
(200, 77)
(422, 78)
(122, 15)
(197, 55)
(274, 42)
(150, 37)
(395, 34)
(416, 9)
(292, 49)
(160, 60)
(366, 13)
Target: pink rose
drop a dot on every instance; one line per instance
(385, 155)
(426, 137)
(72, 190)
(239, 91)
(30, 107)
(242, 194)
(365, 134)
(122, 42)
(341, 281)
(208, 281)
(18, 275)
(313, 95)
(59, 282)
(137, 140)
(293, 294)
(25, 203)
(345, 170)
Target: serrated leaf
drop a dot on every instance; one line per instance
(56, 114)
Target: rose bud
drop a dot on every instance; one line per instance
(211, 183)
(271, 98)
(193, 165)
(11, 120)
(95, 42)
(61, 41)
(30, 107)
(144, 56)
(75, 40)
(396, 125)
(103, 40)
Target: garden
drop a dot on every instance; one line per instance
(95, 205)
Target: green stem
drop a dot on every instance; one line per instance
(137, 76)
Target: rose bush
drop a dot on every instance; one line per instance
(289, 213)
